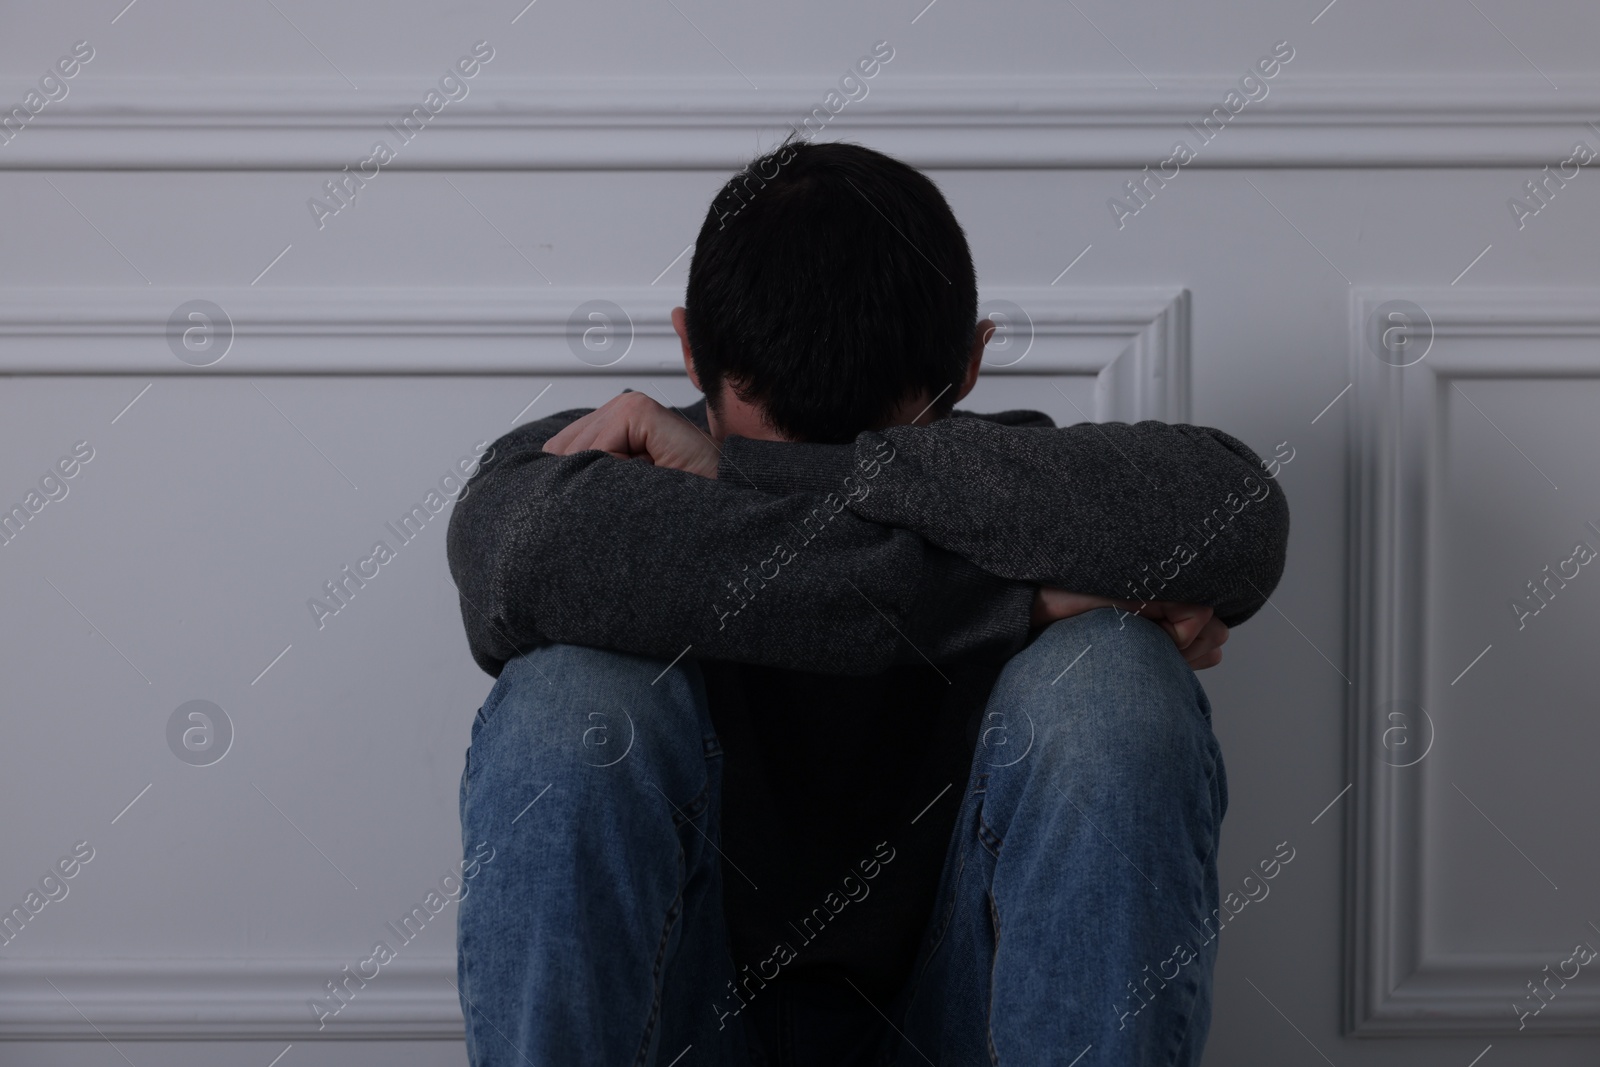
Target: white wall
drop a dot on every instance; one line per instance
(369, 355)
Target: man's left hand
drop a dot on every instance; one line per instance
(1194, 628)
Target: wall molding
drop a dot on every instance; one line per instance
(234, 999)
(1394, 985)
(524, 331)
(988, 123)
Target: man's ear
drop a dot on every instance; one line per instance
(680, 326)
(974, 360)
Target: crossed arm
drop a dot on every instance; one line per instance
(910, 543)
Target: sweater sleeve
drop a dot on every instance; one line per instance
(588, 549)
(1143, 511)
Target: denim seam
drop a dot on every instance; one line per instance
(692, 810)
(944, 921)
(990, 840)
(994, 959)
(491, 703)
(467, 1007)
(673, 913)
(918, 980)
(1182, 1030)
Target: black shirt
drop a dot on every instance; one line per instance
(839, 798)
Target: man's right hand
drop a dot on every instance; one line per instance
(633, 426)
(1196, 631)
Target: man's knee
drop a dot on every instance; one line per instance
(561, 711)
(1108, 697)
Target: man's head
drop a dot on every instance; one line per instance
(831, 292)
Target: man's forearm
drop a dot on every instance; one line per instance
(1147, 511)
(589, 549)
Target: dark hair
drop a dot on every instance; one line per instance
(829, 284)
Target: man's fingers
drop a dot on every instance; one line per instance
(1206, 649)
(633, 426)
(583, 433)
(576, 437)
(1221, 629)
(612, 435)
(1051, 604)
(557, 445)
(1188, 620)
(1194, 628)
(1183, 622)
(608, 428)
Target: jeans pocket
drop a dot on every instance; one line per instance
(495, 698)
(485, 710)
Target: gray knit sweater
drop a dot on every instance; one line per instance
(911, 542)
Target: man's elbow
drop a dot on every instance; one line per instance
(1261, 551)
(480, 561)
(1273, 535)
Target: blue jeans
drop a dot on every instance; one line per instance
(1075, 915)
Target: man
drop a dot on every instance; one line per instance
(846, 728)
